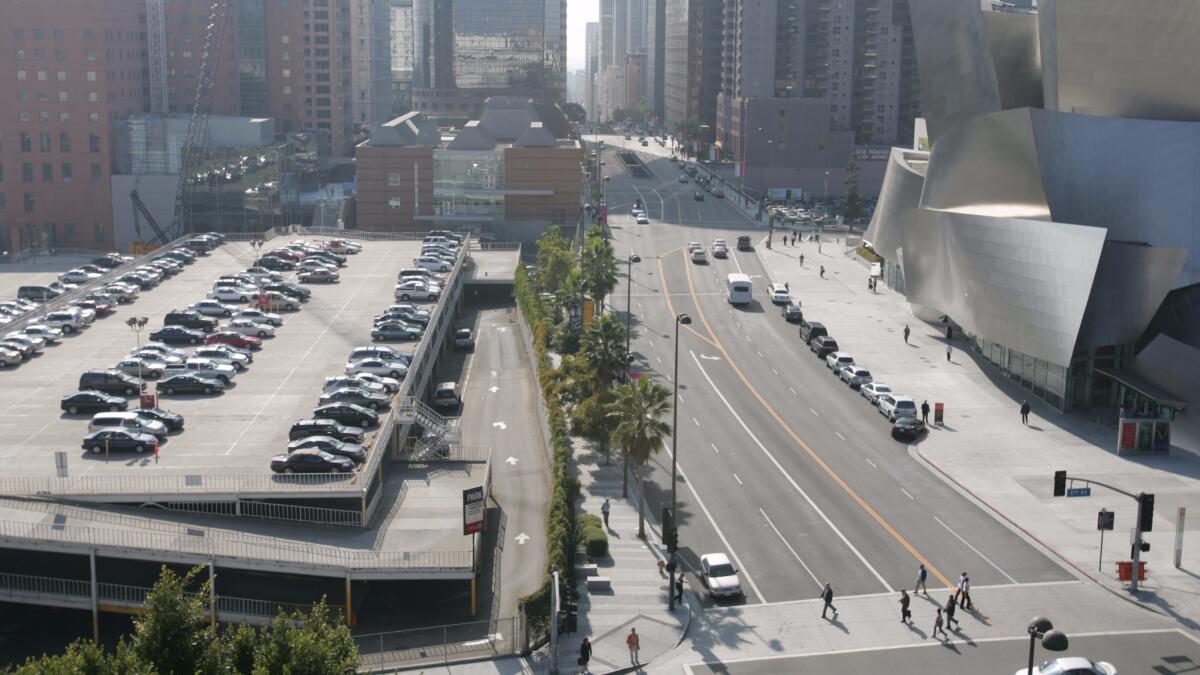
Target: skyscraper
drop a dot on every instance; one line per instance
(469, 50)
(692, 64)
(371, 53)
(591, 67)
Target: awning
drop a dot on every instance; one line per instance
(1144, 387)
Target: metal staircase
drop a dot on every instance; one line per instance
(440, 435)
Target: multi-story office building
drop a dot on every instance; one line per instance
(591, 68)
(692, 65)
(74, 69)
(402, 55)
(371, 55)
(466, 51)
(626, 33)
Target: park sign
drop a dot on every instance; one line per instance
(473, 510)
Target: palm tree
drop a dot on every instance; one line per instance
(604, 348)
(638, 410)
(599, 267)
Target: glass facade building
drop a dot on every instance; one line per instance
(252, 58)
(468, 183)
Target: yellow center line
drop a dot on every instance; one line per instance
(662, 276)
(716, 342)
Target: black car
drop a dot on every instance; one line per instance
(331, 445)
(791, 312)
(107, 262)
(306, 428)
(743, 243)
(141, 281)
(110, 382)
(115, 439)
(698, 196)
(347, 413)
(907, 428)
(189, 383)
(311, 461)
(184, 257)
(277, 264)
(91, 401)
(290, 289)
(823, 346)
(339, 260)
(190, 319)
(811, 330)
(173, 421)
(178, 335)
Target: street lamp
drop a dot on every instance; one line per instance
(685, 320)
(633, 258)
(137, 324)
(1052, 639)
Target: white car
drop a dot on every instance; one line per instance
(309, 264)
(719, 576)
(233, 293)
(1071, 665)
(122, 292)
(249, 327)
(203, 366)
(838, 360)
(855, 376)
(9, 357)
(344, 381)
(873, 390)
(213, 308)
(642, 219)
(410, 308)
(217, 355)
(699, 256)
(139, 366)
(389, 384)
(35, 343)
(719, 248)
(162, 349)
(47, 333)
(77, 276)
(780, 295)
(693, 245)
(892, 406)
(416, 290)
(378, 366)
(67, 322)
(431, 263)
(155, 357)
(260, 316)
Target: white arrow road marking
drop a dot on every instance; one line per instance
(502, 329)
(493, 389)
(512, 461)
(522, 538)
(499, 425)
(493, 373)
(706, 357)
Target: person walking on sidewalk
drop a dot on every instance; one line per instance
(949, 351)
(679, 589)
(822, 271)
(937, 625)
(634, 643)
(905, 614)
(802, 260)
(604, 509)
(950, 613)
(1024, 412)
(827, 596)
(964, 589)
(585, 654)
(922, 574)
(906, 333)
(925, 411)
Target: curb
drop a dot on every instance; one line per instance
(642, 666)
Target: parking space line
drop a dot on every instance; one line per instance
(774, 371)
(814, 412)
(714, 447)
(839, 435)
(739, 480)
(906, 494)
(695, 421)
(871, 463)
(789, 547)
(977, 551)
(791, 390)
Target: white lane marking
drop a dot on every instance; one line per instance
(906, 494)
(697, 423)
(470, 365)
(499, 425)
(748, 340)
(777, 372)
(739, 325)
(814, 412)
(522, 538)
(786, 475)
(875, 467)
(789, 547)
(739, 480)
(738, 265)
(652, 347)
(680, 397)
(839, 435)
(977, 551)
(794, 391)
(660, 361)
(714, 447)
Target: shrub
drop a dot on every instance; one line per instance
(593, 536)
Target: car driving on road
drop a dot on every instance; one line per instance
(719, 576)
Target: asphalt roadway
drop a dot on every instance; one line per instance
(1149, 652)
(781, 465)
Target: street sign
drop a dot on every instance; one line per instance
(473, 510)
(1079, 492)
(1104, 520)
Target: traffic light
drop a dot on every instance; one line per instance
(1060, 483)
(669, 533)
(1146, 511)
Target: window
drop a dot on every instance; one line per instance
(60, 55)
(285, 39)
(93, 97)
(394, 179)
(95, 172)
(38, 34)
(64, 141)
(93, 143)
(1, 174)
(91, 76)
(64, 116)
(47, 172)
(44, 141)
(287, 72)
(63, 97)
(22, 75)
(93, 117)
(68, 172)
(43, 96)
(24, 115)
(287, 90)
(18, 33)
(27, 172)
(68, 233)
(89, 34)
(43, 116)
(41, 76)
(61, 75)
(394, 203)
(29, 202)
(26, 141)
(90, 54)
(20, 55)
(98, 230)
(57, 33)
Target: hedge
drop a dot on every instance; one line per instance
(561, 537)
(592, 535)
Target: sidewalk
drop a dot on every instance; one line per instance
(985, 452)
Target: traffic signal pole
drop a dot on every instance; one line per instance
(1143, 524)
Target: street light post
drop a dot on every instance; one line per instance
(137, 324)
(685, 320)
(633, 258)
(1052, 639)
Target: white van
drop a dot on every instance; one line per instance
(741, 289)
(130, 421)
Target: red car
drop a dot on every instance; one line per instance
(100, 308)
(228, 337)
(284, 253)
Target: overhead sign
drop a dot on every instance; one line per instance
(1104, 520)
(473, 510)
(1079, 492)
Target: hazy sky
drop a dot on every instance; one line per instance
(579, 13)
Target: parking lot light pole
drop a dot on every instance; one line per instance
(685, 320)
(137, 324)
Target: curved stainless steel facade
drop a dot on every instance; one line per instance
(902, 184)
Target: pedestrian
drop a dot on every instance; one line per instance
(1024, 412)
(906, 333)
(585, 654)
(925, 411)
(905, 614)
(922, 574)
(679, 589)
(950, 613)
(827, 596)
(949, 350)
(634, 643)
(802, 260)
(822, 271)
(787, 286)
(937, 624)
(869, 282)
(964, 587)
(949, 332)
(604, 509)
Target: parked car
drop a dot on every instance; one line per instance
(178, 335)
(431, 263)
(347, 413)
(780, 295)
(719, 576)
(357, 396)
(8, 357)
(173, 421)
(259, 316)
(698, 196)
(838, 360)
(235, 359)
(129, 420)
(823, 346)
(189, 383)
(67, 322)
(275, 263)
(1071, 665)
(190, 319)
(111, 382)
(233, 339)
(311, 461)
(77, 276)
(810, 330)
(162, 349)
(378, 366)
(907, 428)
(416, 290)
(395, 330)
(791, 312)
(123, 293)
(233, 293)
(333, 446)
(328, 428)
(205, 367)
(46, 333)
(391, 385)
(92, 401)
(873, 390)
(100, 308)
(446, 396)
(379, 351)
(140, 367)
(249, 327)
(855, 376)
(318, 275)
(342, 381)
(464, 339)
(892, 406)
(288, 288)
(213, 308)
(116, 440)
